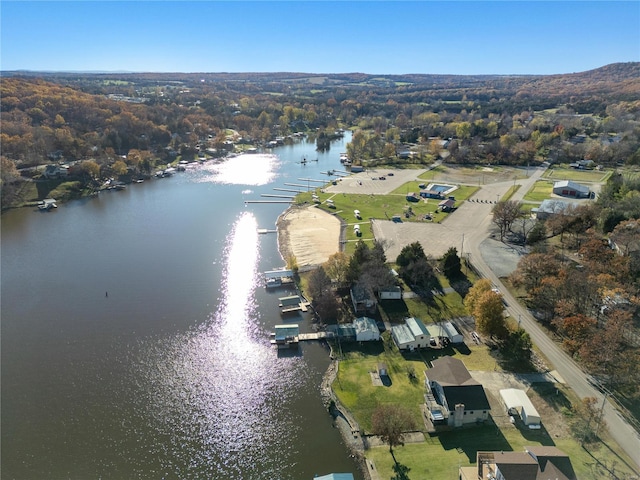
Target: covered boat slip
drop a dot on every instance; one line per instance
(276, 278)
(517, 401)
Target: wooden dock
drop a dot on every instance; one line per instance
(315, 336)
(286, 190)
(269, 201)
(277, 196)
(312, 180)
(302, 306)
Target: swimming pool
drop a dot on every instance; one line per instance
(441, 188)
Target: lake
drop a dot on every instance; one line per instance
(135, 333)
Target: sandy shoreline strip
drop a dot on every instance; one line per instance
(309, 234)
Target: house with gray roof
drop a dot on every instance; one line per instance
(462, 398)
(366, 329)
(567, 188)
(535, 463)
(411, 335)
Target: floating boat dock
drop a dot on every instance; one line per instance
(289, 336)
(292, 303)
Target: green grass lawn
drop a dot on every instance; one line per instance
(564, 172)
(355, 390)
(439, 457)
(541, 190)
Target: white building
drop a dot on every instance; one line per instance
(366, 329)
(517, 402)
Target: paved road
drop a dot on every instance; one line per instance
(570, 372)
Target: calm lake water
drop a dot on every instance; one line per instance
(170, 375)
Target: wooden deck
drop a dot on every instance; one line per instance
(314, 336)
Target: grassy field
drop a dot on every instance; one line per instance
(564, 172)
(439, 457)
(378, 207)
(541, 190)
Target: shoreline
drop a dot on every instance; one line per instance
(308, 234)
(314, 235)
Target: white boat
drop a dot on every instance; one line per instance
(47, 204)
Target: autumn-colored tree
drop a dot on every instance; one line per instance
(337, 267)
(575, 330)
(607, 354)
(390, 422)
(489, 315)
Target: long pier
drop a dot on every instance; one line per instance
(312, 180)
(277, 196)
(297, 185)
(286, 190)
(268, 201)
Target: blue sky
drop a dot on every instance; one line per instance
(386, 37)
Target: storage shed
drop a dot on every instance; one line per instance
(517, 402)
(452, 332)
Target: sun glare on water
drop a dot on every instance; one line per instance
(218, 392)
(246, 169)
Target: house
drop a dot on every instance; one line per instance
(412, 197)
(462, 398)
(411, 335)
(431, 194)
(447, 205)
(56, 171)
(549, 208)
(567, 188)
(517, 402)
(535, 463)
(366, 329)
(363, 299)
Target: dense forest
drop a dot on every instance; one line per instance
(142, 119)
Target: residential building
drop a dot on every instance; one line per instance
(462, 398)
(363, 299)
(366, 329)
(535, 463)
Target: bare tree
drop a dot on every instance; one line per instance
(390, 422)
(504, 214)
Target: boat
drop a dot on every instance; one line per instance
(47, 204)
(273, 282)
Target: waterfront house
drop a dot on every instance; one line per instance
(535, 463)
(363, 299)
(462, 398)
(366, 329)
